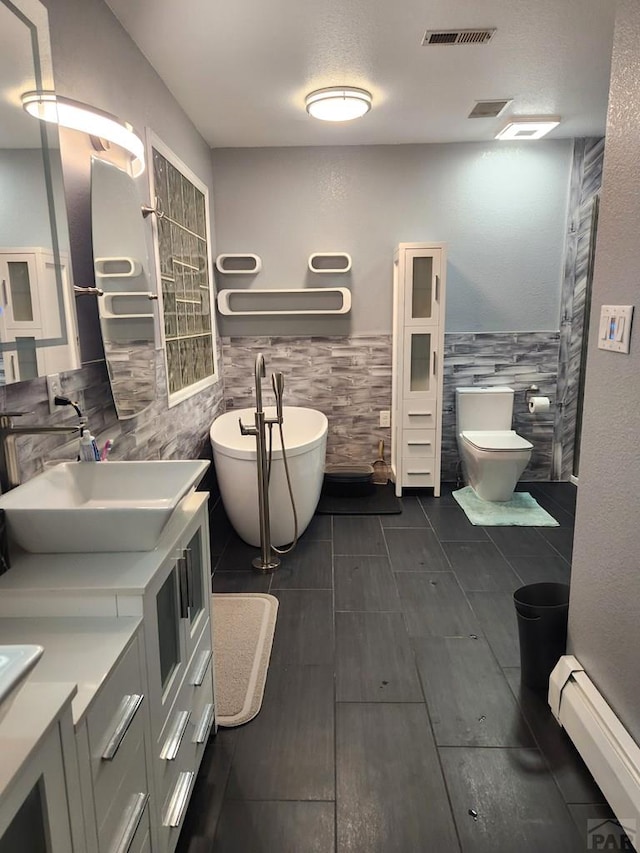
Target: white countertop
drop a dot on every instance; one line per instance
(119, 573)
(77, 650)
(31, 714)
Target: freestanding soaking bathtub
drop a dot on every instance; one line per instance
(305, 441)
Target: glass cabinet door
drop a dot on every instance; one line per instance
(35, 808)
(419, 364)
(168, 628)
(21, 306)
(29, 830)
(422, 288)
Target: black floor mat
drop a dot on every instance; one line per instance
(382, 501)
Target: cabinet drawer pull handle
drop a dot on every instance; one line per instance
(418, 473)
(420, 414)
(201, 667)
(435, 362)
(179, 799)
(127, 711)
(437, 288)
(418, 443)
(204, 726)
(136, 810)
(174, 739)
(4, 292)
(184, 592)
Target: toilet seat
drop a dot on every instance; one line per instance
(497, 441)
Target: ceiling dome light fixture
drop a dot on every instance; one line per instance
(529, 127)
(47, 106)
(338, 103)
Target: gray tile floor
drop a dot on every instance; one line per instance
(393, 717)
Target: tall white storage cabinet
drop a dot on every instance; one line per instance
(418, 348)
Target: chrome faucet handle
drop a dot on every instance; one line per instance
(245, 430)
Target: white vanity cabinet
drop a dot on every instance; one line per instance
(112, 744)
(39, 785)
(170, 589)
(418, 355)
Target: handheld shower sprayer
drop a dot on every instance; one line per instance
(277, 380)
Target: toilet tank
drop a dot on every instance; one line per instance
(484, 408)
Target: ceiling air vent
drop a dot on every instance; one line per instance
(489, 109)
(458, 37)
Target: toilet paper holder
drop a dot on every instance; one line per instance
(531, 391)
(536, 402)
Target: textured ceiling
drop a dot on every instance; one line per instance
(241, 69)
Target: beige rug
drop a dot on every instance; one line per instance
(243, 628)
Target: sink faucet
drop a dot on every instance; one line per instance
(9, 469)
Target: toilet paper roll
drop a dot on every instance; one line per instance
(539, 404)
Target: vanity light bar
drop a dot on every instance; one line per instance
(47, 106)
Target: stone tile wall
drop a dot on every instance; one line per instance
(349, 379)
(586, 179)
(156, 433)
(516, 359)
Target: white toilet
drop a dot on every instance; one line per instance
(493, 455)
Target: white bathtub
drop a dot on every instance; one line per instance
(305, 441)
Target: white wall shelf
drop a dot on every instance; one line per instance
(306, 300)
(126, 304)
(330, 262)
(117, 267)
(239, 264)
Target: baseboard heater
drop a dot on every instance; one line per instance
(608, 750)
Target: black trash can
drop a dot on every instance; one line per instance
(542, 610)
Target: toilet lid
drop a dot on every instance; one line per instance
(496, 440)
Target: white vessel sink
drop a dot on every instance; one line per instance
(16, 662)
(106, 506)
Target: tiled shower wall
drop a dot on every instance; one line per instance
(349, 379)
(586, 179)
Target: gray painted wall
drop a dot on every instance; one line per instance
(604, 627)
(24, 209)
(501, 208)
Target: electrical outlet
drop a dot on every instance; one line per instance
(385, 419)
(54, 389)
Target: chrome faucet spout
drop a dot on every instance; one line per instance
(9, 468)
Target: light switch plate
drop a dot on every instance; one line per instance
(614, 332)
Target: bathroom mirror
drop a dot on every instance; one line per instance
(38, 333)
(127, 303)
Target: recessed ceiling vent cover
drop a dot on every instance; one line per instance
(489, 109)
(458, 37)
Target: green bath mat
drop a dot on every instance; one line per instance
(521, 511)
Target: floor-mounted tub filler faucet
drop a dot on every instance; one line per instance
(268, 561)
